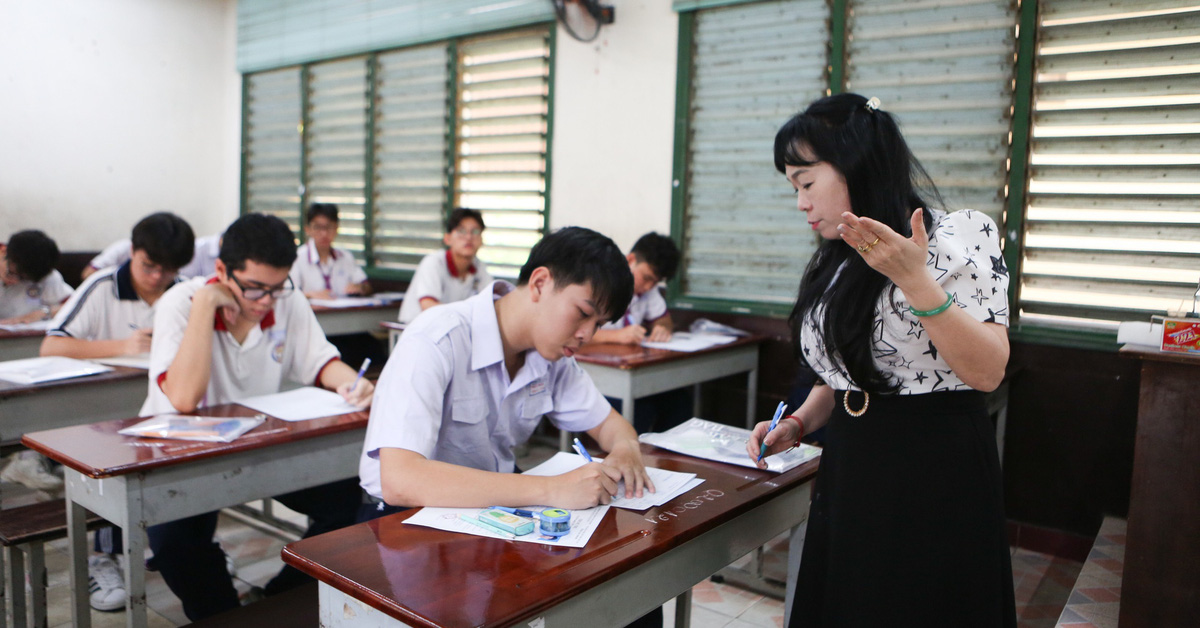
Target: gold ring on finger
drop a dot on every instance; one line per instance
(873, 243)
(863, 248)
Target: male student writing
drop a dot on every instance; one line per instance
(469, 381)
(652, 260)
(235, 335)
(111, 314)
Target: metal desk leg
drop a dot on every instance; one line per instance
(81, 612)
(751, 397)
(16, 579)
(37, 583)
(683, 609)
(135, 550)
(3, 589)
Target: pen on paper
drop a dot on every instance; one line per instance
(762, 450)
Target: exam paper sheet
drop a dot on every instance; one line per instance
(49, 369)
(688, 342)
(724, 443)
(300, 404)
(668, 484)
(583, 524)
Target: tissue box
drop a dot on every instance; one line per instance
(1181, 335)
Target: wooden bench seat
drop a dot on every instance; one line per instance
(23, 532)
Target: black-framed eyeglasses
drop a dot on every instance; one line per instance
(254, 294)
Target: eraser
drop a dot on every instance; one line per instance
(507, 521)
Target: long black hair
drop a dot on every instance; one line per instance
(865, 145)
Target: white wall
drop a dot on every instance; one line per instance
(112, 110)
(614, 111)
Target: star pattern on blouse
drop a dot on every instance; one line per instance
(998, 266)
(915, 329)
(987, 229)
(882, 347)
(979, 296)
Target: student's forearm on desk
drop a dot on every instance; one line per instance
(187, 377)
(83, 349)
(410, 479)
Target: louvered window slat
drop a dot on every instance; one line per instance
(500, 149)
(1112, 225)
(336, 144)
(273, 144)
(411, 155)
(753, 66)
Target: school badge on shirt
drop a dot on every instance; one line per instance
(278, 338)
(34, 291)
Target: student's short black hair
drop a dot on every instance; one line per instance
(575, 255)
(259, 238)
(328, 210)
(462, 213)
(659, 252)
(31, 254)
(167, 239)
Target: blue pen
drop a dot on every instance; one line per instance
(581, 451)
(362, 370)
(762, 451)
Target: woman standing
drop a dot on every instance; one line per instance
(902, 314)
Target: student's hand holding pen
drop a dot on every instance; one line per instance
(631, 334)
(358, 392)
(584, 487)
(138, 342)
(658, 333)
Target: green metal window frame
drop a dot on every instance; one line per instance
(372, 60)
(1017, 182)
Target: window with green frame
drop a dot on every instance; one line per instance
(399, 138)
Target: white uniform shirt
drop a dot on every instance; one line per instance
(24, 297)
(105, 307)
(288, 343)
(644, 309)
(203, 264)
(437, 277)
(309, 274)
(966, 260)
(446, 395)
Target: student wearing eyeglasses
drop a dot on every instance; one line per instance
(321, 270)
(235, 335)
(453, 275)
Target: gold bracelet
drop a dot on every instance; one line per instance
(859, 412)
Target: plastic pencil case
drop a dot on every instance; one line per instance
(507, 521)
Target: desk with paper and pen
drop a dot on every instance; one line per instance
(388, 573)
(135, 483)
(352, 315)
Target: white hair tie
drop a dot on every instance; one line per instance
(872, 104)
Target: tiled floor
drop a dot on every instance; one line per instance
(1042, 582)
(1096, 598)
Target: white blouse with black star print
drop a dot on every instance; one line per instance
(965, 259)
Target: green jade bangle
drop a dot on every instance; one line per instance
(935, 311)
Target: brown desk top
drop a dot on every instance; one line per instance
(5, 334)
(98, 451)
(627, 357)
(118, 373)
(390, 305)
(433, 578)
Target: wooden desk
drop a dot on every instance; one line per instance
(387, 573)
(630, 372)
(1160, 585)
(136, 483)
(26, 408)
(353, 320)
(16, 345)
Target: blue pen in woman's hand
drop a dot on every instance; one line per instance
(581, 451)
(762, 451)
(362, 370)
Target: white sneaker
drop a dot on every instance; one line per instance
(106, 583)
(30, 471)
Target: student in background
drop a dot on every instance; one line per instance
(119, 252)
(32, 290)
(322, 271)
(653, 260)
(235, 335)
(112, 314)
(452, 275)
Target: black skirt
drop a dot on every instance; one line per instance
(907, 519)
